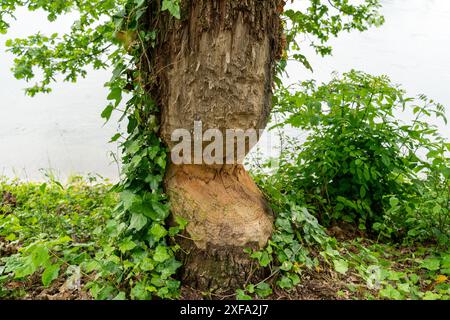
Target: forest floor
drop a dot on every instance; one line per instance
(31, 213)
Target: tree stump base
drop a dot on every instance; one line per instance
(227, 213)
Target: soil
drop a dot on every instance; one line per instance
(316, 285)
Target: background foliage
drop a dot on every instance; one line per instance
(363, 162)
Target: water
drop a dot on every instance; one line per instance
(63, 131)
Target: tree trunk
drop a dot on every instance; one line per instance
(216, 66)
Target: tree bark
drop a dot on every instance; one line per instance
(216, 65)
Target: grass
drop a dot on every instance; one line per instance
(50, 234)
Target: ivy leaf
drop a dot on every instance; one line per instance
(128, 198)
(241, 295)
(391, 293)
(153, 181)
(127, 245)
(264, 260)
(158, 231)
(263, 290)
(182, 223)
(50, 274)
(285, 283)
(294, 278)
(161, 161)
(173, 6)
(139, 291)
(170, 267)
(161, 210)
(138, 222)
(161, 254)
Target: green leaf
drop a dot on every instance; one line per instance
(286, 266)
(161, 161)
(50, 274)
(362, 192)
(128, 198)
(394, 202)
(147, 264)
(446, 261)
(120, 297)
(26, 268)
(294, 278)
(432, 264)
(115, 137)
(340, 266)
(161, 210)
(138, 222)
(446, 271)
(139, 3)
(404, 287)
(106, 114)
(40, 256)
(263, 290)
(265, 259)
(170, 267)
(127, 245)
(161, 254)
(139, 291)
(241, 295)
(432, 296)
(115, 94)
(285, 283)
(11, 237)
(43, 187)
(91, 265)
(182, 223)
(391, 293)
(158, 231)
(173, 6)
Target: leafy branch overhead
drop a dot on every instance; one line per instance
(104, 28)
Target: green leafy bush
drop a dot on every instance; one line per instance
(420, 217)
(361, 158)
